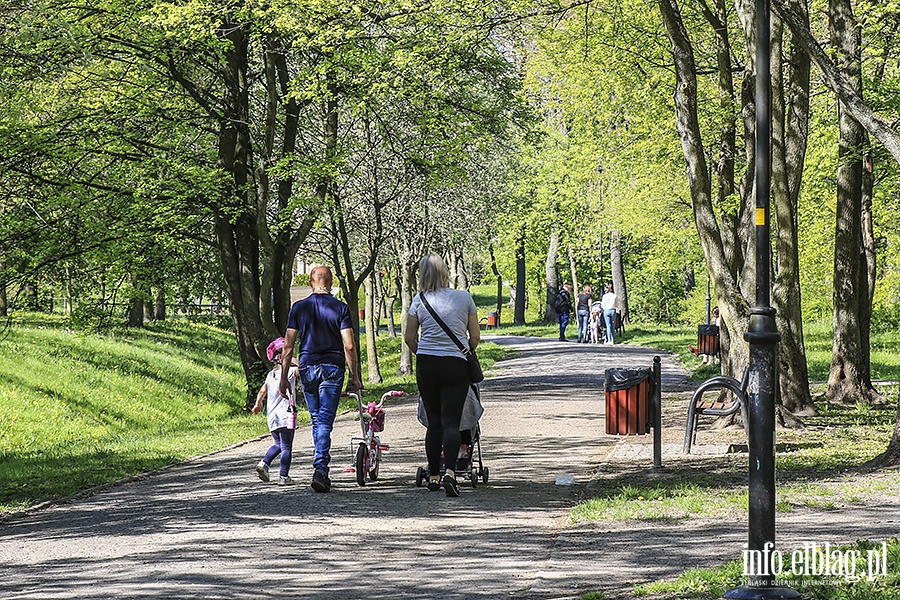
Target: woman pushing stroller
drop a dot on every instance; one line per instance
(442, 371)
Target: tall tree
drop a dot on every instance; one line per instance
(848, 379)
(790, 127)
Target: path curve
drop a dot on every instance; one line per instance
(210, 529)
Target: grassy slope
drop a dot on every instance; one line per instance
(80, 410)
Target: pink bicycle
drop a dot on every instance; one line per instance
(369, 446)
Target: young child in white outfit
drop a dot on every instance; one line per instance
(281, 415)
(594, 324)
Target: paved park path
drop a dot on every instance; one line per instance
(210, 529)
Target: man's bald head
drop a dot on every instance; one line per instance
(321, 277)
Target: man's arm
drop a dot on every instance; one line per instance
(353, 381)
(287, 353)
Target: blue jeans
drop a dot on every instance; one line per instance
(322, 390)
(563, 322)
(609, 316)
(584, 318)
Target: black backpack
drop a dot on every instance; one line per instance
(563, 302)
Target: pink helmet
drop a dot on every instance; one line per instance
(275, 348)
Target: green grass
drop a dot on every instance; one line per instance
(660, 502)
(706, 584)
(81, 410)
(884, 347)
(697, 583)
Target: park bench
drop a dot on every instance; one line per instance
(730, 397)
(620, 324)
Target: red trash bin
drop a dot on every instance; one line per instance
(708, 340)
(627, 401)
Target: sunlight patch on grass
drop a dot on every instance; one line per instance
(661, 502)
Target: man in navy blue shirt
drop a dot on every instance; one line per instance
(321, 328)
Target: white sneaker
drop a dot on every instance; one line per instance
(285, 480)
(262, 469)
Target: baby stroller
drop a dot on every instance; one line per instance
(469, 464)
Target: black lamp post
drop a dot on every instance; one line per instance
(763, 337)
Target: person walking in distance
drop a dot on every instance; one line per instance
(608, 304)
(563, 307)
(583, 310)
(442, 371)
(320, 328)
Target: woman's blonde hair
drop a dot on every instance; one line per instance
(433, 273)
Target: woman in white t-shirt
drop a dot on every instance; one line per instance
(442, 371)
(608, 304)
(281, 416)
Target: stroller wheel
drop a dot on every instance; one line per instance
(484, 475)
(473, 475)
(420, 477)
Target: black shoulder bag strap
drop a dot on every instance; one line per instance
(462, 348)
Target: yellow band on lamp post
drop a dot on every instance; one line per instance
(760, 216)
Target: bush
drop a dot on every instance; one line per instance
(91, 317)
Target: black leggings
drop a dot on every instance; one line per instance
(443, 384)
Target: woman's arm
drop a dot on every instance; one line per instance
(474, 331)
(411, 337)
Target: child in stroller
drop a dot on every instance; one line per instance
(469, 464)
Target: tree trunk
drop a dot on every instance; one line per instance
(135, 317)
(281, 248)
(521, 286)
(388, 300)
(371, 328)
(235, 217)
(551, 274)
(573, 269)
(4, 301)
(69, 301)
(789, 136)
(847, 378)
(838, 82)
(735, 310)
(159, 310)
(377, 302)
(867, 268)
(407, 287)
(891, 456)
(148, 311)
(617, 269)
(496, 273)
(462, 278)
